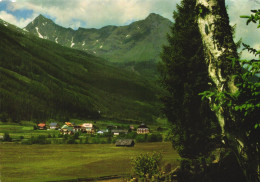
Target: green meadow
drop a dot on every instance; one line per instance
(69, 162)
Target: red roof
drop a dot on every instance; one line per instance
(41, 124)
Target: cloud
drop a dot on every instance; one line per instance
(97, 13)
(14, 20)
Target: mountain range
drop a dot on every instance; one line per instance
(41, 79)
(136, 46)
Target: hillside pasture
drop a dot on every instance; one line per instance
(69, 162)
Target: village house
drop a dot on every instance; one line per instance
(143, 129)
(42, 126)
(77, 129)
(125, 143)
(69, 124)
(66, 130)
(54, 126)
(88, 127)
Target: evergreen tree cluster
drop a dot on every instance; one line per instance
(184, 75)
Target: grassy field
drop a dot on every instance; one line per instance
(63, 162)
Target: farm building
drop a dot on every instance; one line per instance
(66, 130)
(42, 126)
(125, 143)
(142, 129)
(54, 126)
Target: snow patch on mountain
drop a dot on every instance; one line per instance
(39, 35)
(72, 43)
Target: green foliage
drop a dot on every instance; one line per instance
(141, 138)
(71, 140)
(244, 106)
(146, 165)
(184, 75)
(7, 137)
(154, 137)
(253, 18)
(41, 139)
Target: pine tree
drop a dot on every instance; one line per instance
(184, 75)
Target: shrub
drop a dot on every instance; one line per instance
(76, 135)
(146, 165)
(7, 137)
(140, 138)
(41, 139)
(26, 142)
(96, 140)
(86, 141)
(132, 135)
(71, 140)
(154, 138)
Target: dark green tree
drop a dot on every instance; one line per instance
(184, 75)
(7, 137)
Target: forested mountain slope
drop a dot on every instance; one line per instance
(41, 80)
(136, 46)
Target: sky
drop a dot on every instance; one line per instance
(99, 13)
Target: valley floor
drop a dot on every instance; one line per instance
(32, 163)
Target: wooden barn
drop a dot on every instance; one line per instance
(125, 143)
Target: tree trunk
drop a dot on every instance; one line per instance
(218, 43)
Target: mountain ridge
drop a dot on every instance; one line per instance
(139, 41)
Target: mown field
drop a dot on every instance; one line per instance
(66, 162)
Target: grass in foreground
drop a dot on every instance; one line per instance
(64, 162)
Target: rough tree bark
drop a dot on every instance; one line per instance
(216, 34)
(218, 44)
